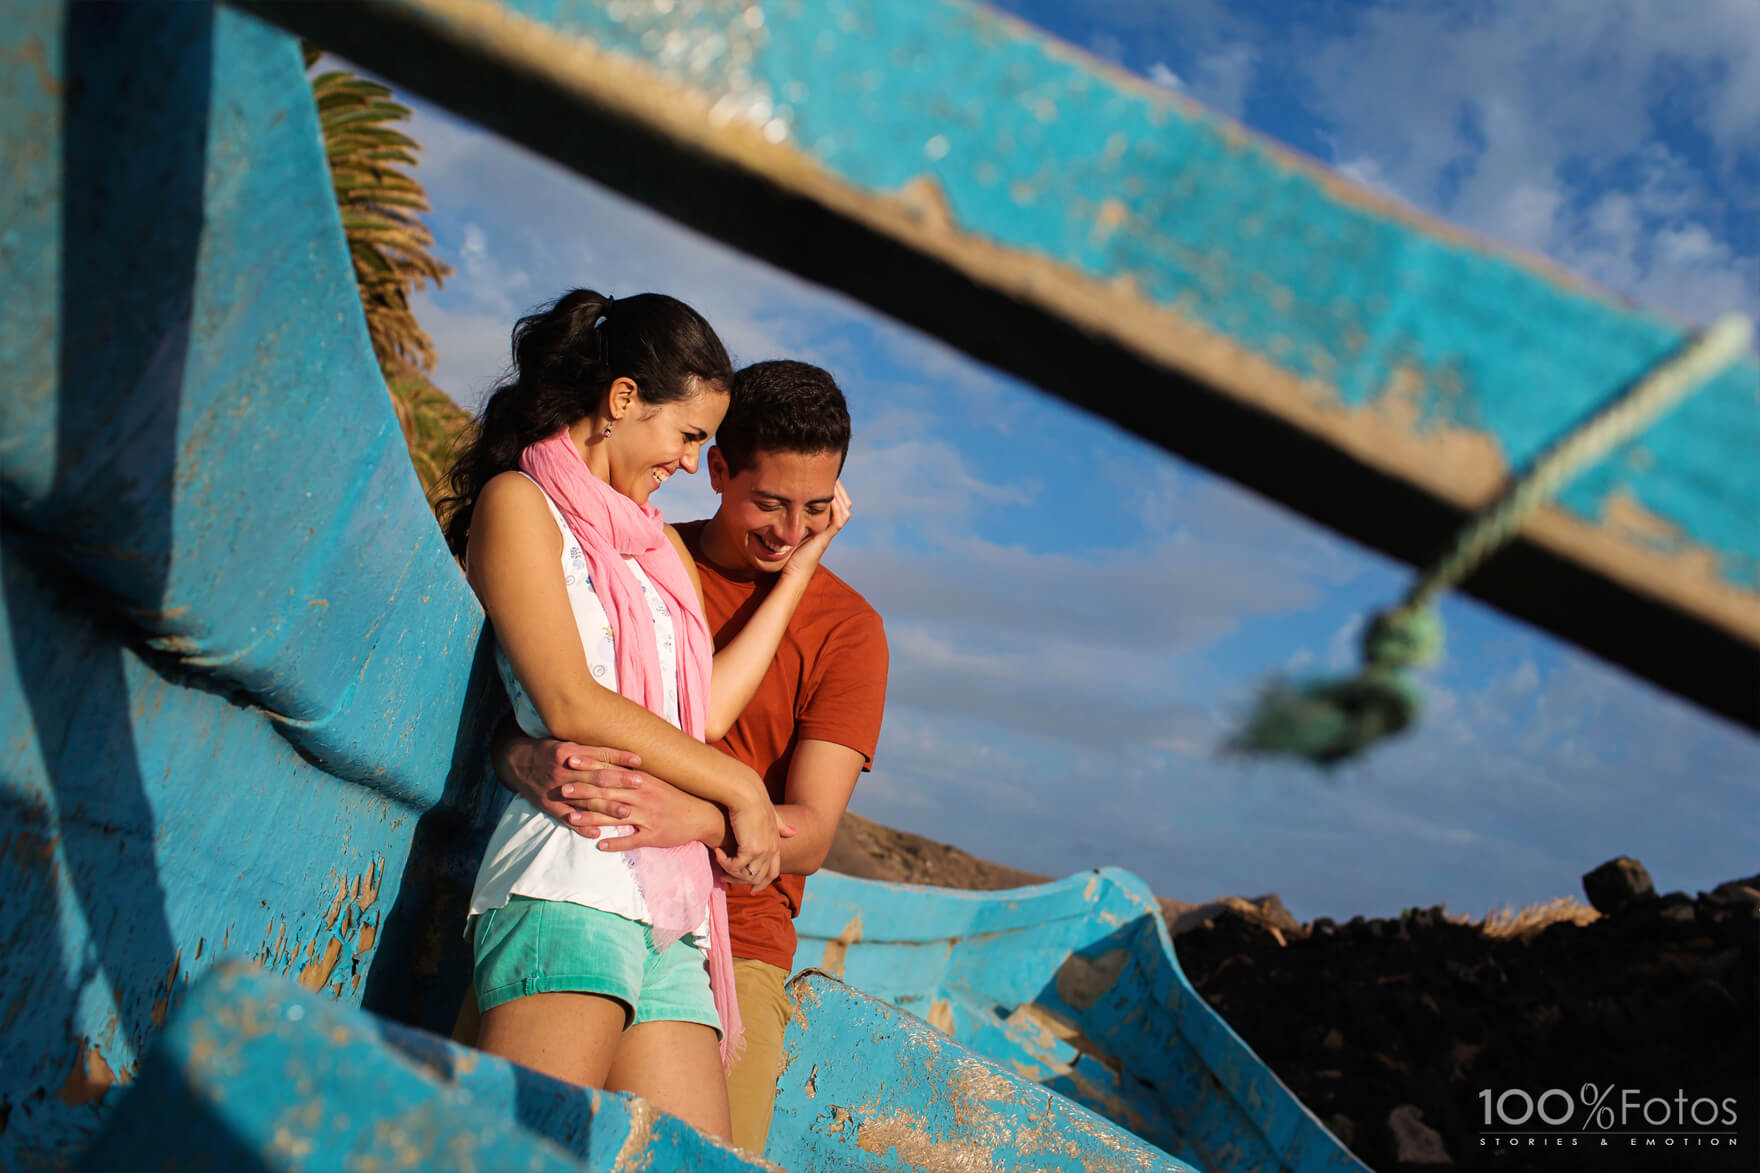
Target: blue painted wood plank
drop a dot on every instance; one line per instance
(216, 451)
(1142, 257)
(1037, 149)
(1076, 984)
(255, 1074)
(868, 1087)
(243, 713)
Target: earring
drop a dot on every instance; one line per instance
(607, 431)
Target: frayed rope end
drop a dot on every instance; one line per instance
(1326, 722)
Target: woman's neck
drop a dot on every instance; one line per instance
(587, 436)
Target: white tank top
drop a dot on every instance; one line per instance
(532, 854)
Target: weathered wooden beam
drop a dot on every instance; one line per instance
(1144, 259)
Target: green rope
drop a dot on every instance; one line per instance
(1328, 721)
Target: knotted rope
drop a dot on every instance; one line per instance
(1328, 721)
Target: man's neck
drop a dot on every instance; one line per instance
(725, 552)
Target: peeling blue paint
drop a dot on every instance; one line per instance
(243, 707)
(256, 1076)
(866, 1086)
(1074, 985)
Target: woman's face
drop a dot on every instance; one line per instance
(650, 443)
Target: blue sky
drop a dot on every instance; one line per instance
(1077, 620)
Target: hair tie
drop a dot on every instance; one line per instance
(604, 317)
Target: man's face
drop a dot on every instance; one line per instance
(774, 505)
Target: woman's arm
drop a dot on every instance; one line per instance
(515, 552)
(740, 666)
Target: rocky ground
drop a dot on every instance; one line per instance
(1403, 1034)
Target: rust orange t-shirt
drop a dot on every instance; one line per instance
(827, 683)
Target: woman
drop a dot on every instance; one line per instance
(579, 968)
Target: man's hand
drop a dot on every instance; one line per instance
(571, 783)
(758, 832)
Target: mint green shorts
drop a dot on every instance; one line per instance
(552, 946)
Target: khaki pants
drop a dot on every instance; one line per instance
(751, 1085)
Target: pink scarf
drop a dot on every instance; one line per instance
(676, 882)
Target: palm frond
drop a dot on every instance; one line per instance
(381, 206)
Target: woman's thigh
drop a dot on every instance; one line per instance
(676, 1066)
(566, 1035)
(559, 982)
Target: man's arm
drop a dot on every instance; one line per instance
(589, 787)
(838, 729)
(592, 787)
(561, 778)
(821, 777)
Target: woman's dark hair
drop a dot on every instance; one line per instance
(782, 406)
(565, 358)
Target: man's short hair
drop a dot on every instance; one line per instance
(783, 406)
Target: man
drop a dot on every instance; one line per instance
(810, 729)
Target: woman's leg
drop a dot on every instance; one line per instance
(559, 981)
(568, 1036)
(676, 1066)
(671, 1054)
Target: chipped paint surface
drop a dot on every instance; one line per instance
(253, 1072)
(892, 1093)
(1072, 986)
(837, 948)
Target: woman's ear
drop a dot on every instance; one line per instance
(621, 399)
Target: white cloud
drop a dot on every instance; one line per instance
(925, 482)
(1161, 75)
(1544, 125)
(472, 348)
(522, 229)
(1223, 79)
(687, 498)
(1366, 171)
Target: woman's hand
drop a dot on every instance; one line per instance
(805, 558)
(660, 814)
(758, 832)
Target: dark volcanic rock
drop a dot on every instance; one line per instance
(1424, 1013)
(1414, 1142)
(1616, 884)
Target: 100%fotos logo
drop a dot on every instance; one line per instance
(1604, 1111)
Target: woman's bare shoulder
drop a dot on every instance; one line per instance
(511, 490)
(512, 507)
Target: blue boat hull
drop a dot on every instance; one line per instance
(243, 685)
(255, 1075)
(1073, 985)
(246, 685)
